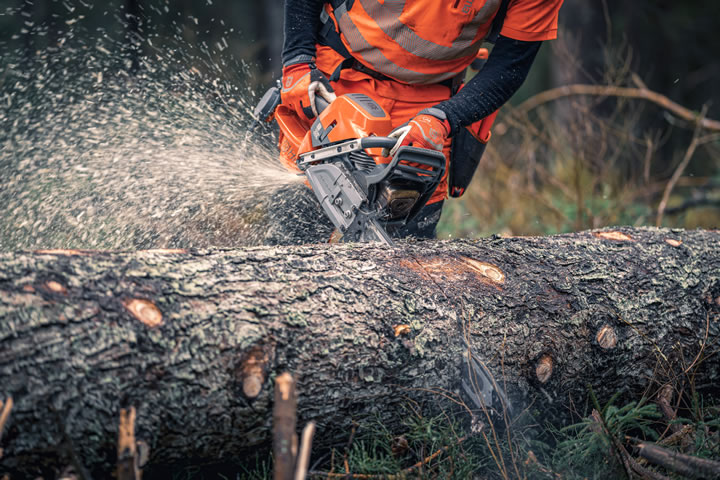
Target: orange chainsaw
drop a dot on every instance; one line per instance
(342, 155)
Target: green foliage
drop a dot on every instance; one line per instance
(588, 448)
(261, 470)
(376, 450)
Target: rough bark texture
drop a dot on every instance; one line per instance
(193, 339)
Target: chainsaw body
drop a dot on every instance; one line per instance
(341, 154)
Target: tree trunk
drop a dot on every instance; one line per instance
(193, 339)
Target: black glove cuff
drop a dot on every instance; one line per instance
(299, 59)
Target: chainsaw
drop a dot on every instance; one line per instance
(362, 191)
(342, 155)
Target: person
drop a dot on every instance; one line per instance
(408, 56)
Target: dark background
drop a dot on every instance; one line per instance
(675, 45)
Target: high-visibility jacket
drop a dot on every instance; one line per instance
(429, 41)
(414, 41)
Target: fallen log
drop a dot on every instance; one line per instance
(192, 339)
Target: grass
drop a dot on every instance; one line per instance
(441, 446)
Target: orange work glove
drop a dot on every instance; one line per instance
(301, 83)
(429, 129)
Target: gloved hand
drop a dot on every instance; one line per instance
(301, 83)
(429, 129)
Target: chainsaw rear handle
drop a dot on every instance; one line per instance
(267, 104)
(272, 98)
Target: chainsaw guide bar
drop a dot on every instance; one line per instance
(357, 195)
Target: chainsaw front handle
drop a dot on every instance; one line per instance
(333, 151)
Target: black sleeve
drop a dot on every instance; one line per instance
(302, 21)
(502, 75)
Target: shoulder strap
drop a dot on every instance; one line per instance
(328, 36)
(498, 21)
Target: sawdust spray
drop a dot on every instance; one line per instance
(98, 151)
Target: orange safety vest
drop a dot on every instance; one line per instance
(413, 41)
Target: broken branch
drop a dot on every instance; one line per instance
(679, 463)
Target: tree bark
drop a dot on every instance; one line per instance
(193, 339)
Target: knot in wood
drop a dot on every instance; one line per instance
(145, 311)
(544, 368)
(606, 337)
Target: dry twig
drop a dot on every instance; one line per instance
(128, 466)
(631, 465)
(663, 401)
(680, 169)
(284, 421)
(305, 448)
(623, 92)
(5, 408)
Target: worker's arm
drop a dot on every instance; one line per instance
(302, 21)
(505, 71)
(302, 81)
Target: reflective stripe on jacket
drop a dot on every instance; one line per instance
(415, 41)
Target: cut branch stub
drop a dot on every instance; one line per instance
(544, 368)
(253, 369)
(606, 337)
(145, 311)
(56, 287)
